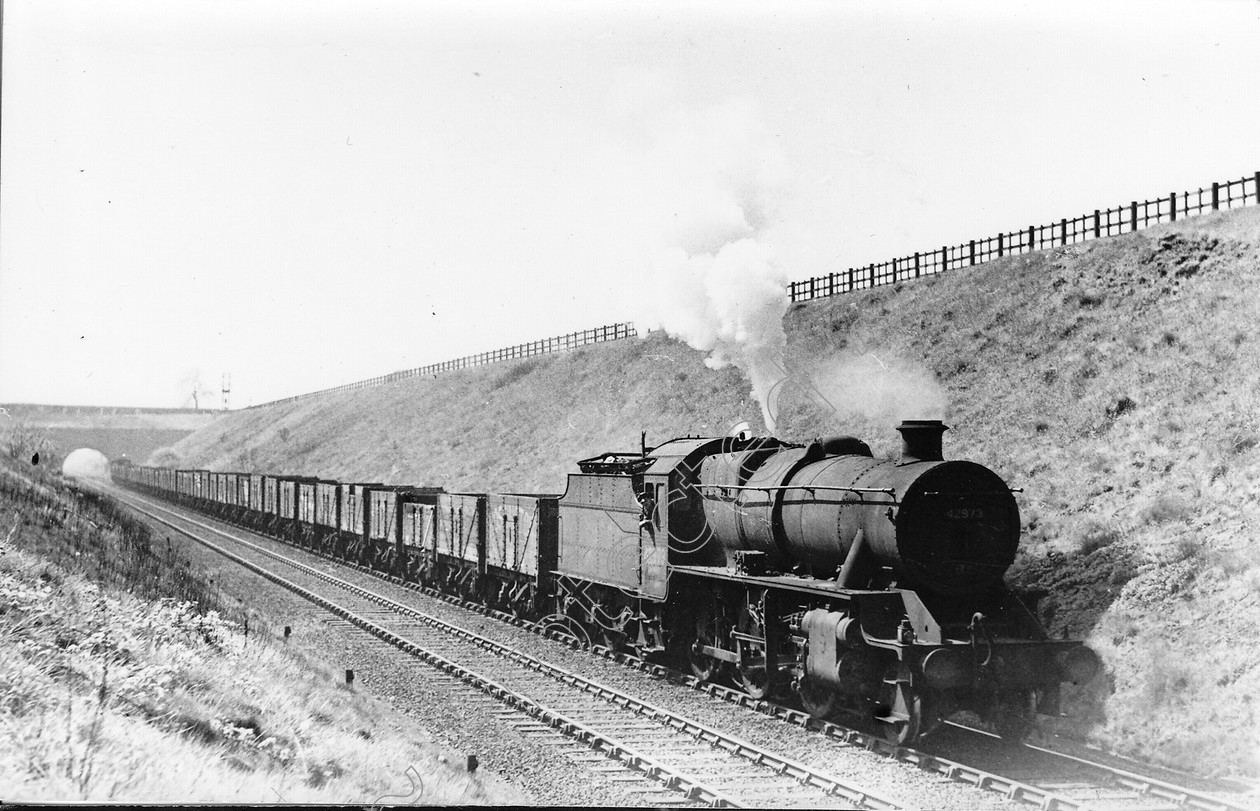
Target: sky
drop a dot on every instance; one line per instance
(304, 194)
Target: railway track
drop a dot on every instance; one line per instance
(1028, 774)
(584, 720)
(1089, 780)
(1033, 775)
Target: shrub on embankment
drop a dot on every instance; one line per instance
(109, 696)
(74, 527)
(1115, 381)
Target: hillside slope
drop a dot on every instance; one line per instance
(56, 431)
(1114, 381)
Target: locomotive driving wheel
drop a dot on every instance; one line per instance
(756, 668)
(818, 700)
(899, 711)
(708, 631)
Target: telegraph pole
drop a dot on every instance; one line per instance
(227, 387)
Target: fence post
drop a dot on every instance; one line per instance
(851, 284)
(1172, 206)
(973, 251)
(916, 264)
(872, 271)
(1216, 196)
(1063, 231)
(945, 257)
(831, 283)
(1001, 246)
(1255, 188)
(812, 287)
(1133, 216)
(1032, 238)
(1096, 225)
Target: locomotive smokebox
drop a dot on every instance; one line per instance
(921, 440)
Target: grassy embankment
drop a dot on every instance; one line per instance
(133, 433)
(123, 680)
(1115, 381)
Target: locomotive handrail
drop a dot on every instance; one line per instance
(972, 492)
(887, 491)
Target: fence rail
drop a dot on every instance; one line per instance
(560, 343)
(1123, 219)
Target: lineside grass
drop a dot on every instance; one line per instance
(110, 692)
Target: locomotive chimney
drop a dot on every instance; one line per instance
(921, 440)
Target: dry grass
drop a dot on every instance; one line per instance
(1115, 381)
(89, 535)
(107, 696)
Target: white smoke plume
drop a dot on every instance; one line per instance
(883, 389)
(716, 284)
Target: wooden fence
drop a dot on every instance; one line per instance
(1101, 223)
(560, 343)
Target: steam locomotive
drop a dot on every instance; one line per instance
(859, 585)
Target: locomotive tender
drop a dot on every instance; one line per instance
(861, 585)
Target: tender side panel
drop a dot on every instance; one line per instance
(599, 531)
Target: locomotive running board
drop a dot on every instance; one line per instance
(817, 588)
